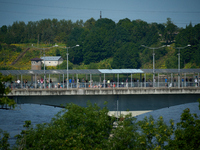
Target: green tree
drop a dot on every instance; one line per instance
(91, 128)
(4, 100)
(154, 133)
(4, 145)
(99, 42)
(73, 128)
(187, 133)
(170, 31)
(126, 57)
(90, 23)
(64, 65)
(172, 62)
(3, 32)
(75, 38)
(57, 52)
(189, 35)
(125, 134)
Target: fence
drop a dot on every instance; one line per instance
(55, 85)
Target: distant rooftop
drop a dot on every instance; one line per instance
(51, 58)
(36, 59)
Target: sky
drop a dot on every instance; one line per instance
(181, 12)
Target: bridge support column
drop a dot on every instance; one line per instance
(158, 80)
(185, 80)
(131, 81)
(104, 81)
(171, 78)
(50, 83)
(90, 80)
(21, 81)
(77, 81)
(63, 80)
(35, 81)
(117, 80)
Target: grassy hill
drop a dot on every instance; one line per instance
(9, 54)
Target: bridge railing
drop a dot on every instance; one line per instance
(56, 85)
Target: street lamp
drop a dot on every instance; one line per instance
(153, 58)
(44, 62)
(44, 71)
(67, 63)
(179, 48)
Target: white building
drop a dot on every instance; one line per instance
(52, 60)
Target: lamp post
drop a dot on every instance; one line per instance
(179, 48)
(153, 58)
(44, 61)
(44, 71)
(67, 63)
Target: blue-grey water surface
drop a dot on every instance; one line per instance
(12, 121)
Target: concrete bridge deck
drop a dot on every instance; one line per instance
(104, 91)
(118, 99)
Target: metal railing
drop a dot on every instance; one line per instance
(85, 85)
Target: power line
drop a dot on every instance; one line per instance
(139, 11)
(114, 19)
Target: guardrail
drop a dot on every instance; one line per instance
(98, 85)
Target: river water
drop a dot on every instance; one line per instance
(12, 121)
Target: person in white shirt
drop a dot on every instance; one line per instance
(18, 81)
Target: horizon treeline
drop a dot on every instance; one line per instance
(103, 38)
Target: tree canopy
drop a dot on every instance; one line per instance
(4, 100)
(103, 39)
(91, 128)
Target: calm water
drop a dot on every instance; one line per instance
(12, 121)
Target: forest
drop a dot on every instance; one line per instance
(116, 45)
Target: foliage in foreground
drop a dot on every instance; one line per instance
(4, 145)
(4, 100)
(91, 128)
(74, 127)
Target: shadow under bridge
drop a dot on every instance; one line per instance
(140, 102)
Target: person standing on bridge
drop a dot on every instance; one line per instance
(50, 84)
(73, 83)
(70, 82)
(24, 84)
(166, 82)
(47, 83)
(108, 83)
(83, 83)
(41, 83)
(18, 83)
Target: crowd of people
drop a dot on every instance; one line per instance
(82, 83)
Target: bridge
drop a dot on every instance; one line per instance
(118, 99)
(138, 92)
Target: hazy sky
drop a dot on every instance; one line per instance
(181, 12)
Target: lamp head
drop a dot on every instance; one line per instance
(188, 45)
